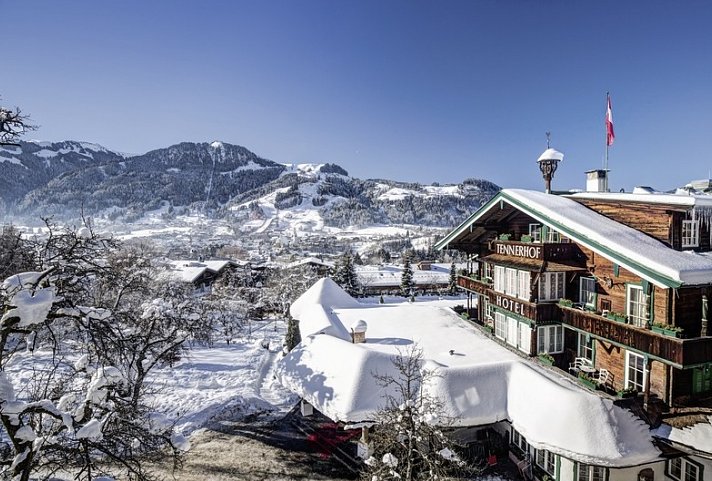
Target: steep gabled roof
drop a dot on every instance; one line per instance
(628, 247)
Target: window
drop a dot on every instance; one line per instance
(585, 347)
(524, 338)
(550, 339)
(587, 294)
(702, 379)
(535, 232)
(638, 306)
(520, 441)
(500, 325)
(488, 270)
(587, 472)
(512, 332)
(690, 233)
(512, 282)
(524, 285)
(546, 461)
(683, 469)
(487, 308)
(634, 371)
(551, 286)
(500, 282)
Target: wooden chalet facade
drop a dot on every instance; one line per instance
(604, 277)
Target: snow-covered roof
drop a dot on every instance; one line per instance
(309, 260)
(190, 270)
(315, 309)
(697, 437)
(686, 199)
(628, 247)
(479, 381)
(390, 275)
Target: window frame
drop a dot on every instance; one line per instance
(535, 232)
(683, 464)
(500, 326)
(630, 306)
(546, 288)
(593, 473)
(520, 442)
(583, 299)
(543, 339)
(692, 237)
(585, 346)
(547, 461)
(633, 383)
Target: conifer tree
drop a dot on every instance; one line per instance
(293, 336)
(345, 274)
(453, 279)
(407, 282)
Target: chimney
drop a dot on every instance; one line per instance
(597, 180)
(358, 332)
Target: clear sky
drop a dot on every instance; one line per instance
(427, 91)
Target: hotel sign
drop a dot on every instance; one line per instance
(512, 305)
(527, 251)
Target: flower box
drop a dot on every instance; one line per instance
(566, 302)
(667, 330)
(505, 237)
(587, 381)
(546, 359)
(614, 316)
(627, 393)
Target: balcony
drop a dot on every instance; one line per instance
(540, 313)
(682, 352)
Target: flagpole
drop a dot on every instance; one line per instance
(605, 161)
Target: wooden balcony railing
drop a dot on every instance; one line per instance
(541, 313)
(683, 352)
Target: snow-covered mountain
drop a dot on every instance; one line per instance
(223, 181)
(33, 164)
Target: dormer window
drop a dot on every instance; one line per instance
(690, 233)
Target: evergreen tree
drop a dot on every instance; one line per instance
(407, 282)
(453, 279)
(293, 336)
(345, 274)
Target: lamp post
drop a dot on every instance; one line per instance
(548, 162)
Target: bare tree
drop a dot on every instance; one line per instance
(408, 441)
(96, 322)
(13, 124)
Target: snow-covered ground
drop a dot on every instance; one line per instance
(212, 383)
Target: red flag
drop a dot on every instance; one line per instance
(609, 124)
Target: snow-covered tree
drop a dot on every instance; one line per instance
(78, 337)
(407, 443)
(345, 274)
(407, 283)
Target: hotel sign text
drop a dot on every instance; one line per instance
(511, 305)
(519, 250)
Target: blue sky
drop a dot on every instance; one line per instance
(410, 90)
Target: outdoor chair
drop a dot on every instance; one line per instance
(575, 367)
(603, 377)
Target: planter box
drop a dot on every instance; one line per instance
(666, 332)
(627, 394)
(589, 383)
(546, 361)
(617, 318)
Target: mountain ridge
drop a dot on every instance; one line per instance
(220, 180)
